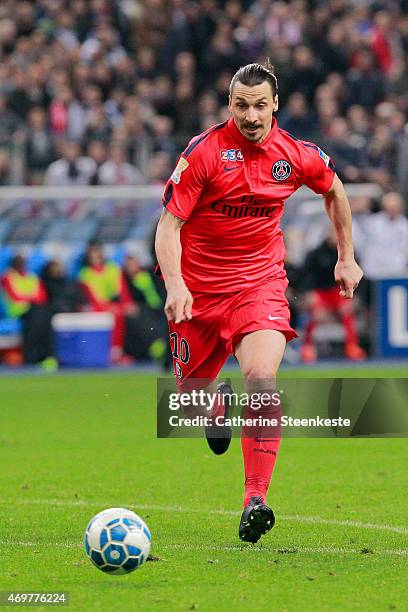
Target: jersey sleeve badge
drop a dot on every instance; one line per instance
(182, 165)
(324, 156)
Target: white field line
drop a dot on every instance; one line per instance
(322, 550)
(296, 518)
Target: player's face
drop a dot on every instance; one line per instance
(252, 109)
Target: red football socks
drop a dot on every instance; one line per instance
(260, 446)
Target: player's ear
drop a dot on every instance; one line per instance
(275, 103)
(229, 102)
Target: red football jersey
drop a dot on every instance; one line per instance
(230, 192)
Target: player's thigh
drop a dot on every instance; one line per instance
(259, 355)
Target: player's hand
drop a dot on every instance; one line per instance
(347, 275)
(179, 303)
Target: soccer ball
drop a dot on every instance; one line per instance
(117, 541)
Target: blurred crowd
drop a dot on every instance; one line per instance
(108, 92)
(131, 293)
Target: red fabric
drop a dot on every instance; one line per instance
(220, 321)
(232, 204)
(328, 299)
(39, 297)
(259, 461)
(331, 300)
(382, 50)
(260, 446)
(58, 117)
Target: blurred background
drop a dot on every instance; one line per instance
(98, 98)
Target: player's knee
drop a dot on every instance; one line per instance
(259, 375)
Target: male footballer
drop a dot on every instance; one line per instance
(221, 254)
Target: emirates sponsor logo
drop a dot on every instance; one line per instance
(243, 210)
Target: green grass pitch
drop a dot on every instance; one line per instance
(73, 445)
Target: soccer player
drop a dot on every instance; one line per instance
(221, 254)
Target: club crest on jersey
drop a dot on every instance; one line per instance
(182, 164)
(281, 170)
(231, 155)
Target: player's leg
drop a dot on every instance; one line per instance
(345, 311)
(259, 355)
(198, 356)
(256, 328)
(314, 302)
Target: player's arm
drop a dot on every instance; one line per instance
(181, 195)
(347, 272)
(179, 300)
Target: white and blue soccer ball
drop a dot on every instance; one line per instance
(117, 541)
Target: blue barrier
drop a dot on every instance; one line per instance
(392, 317)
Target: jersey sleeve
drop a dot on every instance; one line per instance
(318, 168)
(186, 184)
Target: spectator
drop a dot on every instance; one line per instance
(97, 152)
(384, 252)
(39, 147)
(25, 299)
(29, 89)
(162, 128)
(349, 155)
(117, 170)
(364, 80)
(63, 294)
(146, 336)
(9, 124)
(322, 298)
(67, 117)
(160, 168)
(307, 72)
(402, 156)
(382, 156)
(297, 118)
(5, 168)
(98, 125)
(72, 168)
(361, 208)
(104, 287)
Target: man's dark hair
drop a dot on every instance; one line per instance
(255, 74)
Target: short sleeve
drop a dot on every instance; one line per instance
(184, 187)
(318, 168)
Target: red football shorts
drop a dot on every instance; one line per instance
(201, 346)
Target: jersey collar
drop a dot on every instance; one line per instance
(245, 143)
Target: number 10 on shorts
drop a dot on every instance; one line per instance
(179, 348)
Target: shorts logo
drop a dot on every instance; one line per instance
(182, 165)
(281, 170)
(324, 156)
(231, 155)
